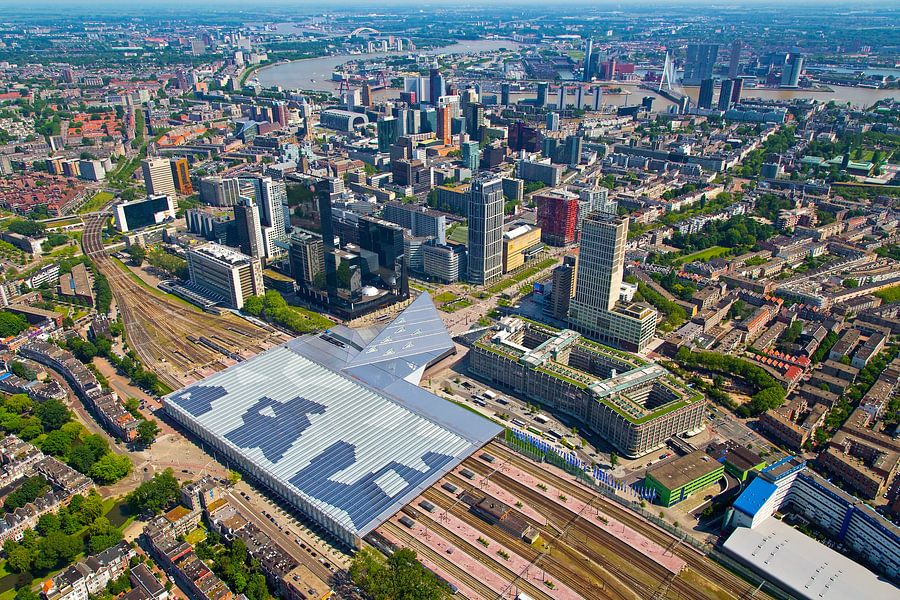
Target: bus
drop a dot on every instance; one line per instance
(541, 419)
(489, 395)
(554, 434)
(518, 422)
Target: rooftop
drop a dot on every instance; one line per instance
(683, 470)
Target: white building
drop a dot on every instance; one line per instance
(225, 274)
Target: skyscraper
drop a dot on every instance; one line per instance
(504, 94)
(436, 83)
(470, 155)
(705, 98)
(388, 132)
(182, 176)
(561, 97)
(725, 94)
(701, 60)
(588, 62)
(737, 89)
(485, 242)
(366, 95)
(443, 125)
(552, 121)
(573, 150)
(270, 197)
(542, 93)
(790, 77)
(563, 287)
(474, 120)
(307, 257)
(158, 177)
(734, 64)
(248, 227)
(596, 311)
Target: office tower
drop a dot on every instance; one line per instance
(384, 239)
(587, 62)
(436, 83)
(647, 103)
(280, 112)
(504, 94)
(550, 148)
(248, 228)
(323, 194)
(412, 173)
(474, 120)
(725, 94)
(444, 129)
(470, 155)
(705, 98)
(485, 242)
(429, 121)
(701, 60)
(563, 289)
(790, 77)
(414, 121)
(513, 189)
(524, 137)
(552, 121)
(367, 95)
(136, 214)
(591, 200)
(734, 65)
(270, 197)
(542, 93)
(225, 273)
(402, 116)
(595, 310)
(572, 150)
(736, 90)
(387, 133)
(182, 176)
(420, 221)
(557, 216)
(307, 257)
(579, 97)
(219, 191)
(598, 98)
(561, 97)
(158, 177)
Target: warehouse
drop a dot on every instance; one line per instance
(336, 423)
(676, 480)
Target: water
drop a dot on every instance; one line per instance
(315, 73)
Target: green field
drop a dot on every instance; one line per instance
(891, 294)
(711, 252)
(99, 200)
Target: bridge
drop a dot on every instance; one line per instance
(362, 30)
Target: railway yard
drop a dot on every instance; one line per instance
(181, 344)
(586, 546)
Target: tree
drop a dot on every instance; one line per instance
(56, 550)
(53, 414)
(233, 477)
(253, 305)
(57, 443)
(111, 468)
(613, 459)
(147, 431)
(26, 593)
(19, 559)
(11, 324)
(138, 254)
(400, 577)
(101, 535)
(155, 494)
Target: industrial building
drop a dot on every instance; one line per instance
(224, 274)
(636, 406)
(677, 479)
(336, 423)
(137, 214)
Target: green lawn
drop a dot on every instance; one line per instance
(711, 252)
(99, 200)
(521, 276)
(459, 234)
(444, 297)
(891, 294)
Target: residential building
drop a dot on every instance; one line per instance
(563, 287)
(181, 175)
(557, 216)
(219, 191)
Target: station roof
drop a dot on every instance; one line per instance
(347, 430)
(805, 567)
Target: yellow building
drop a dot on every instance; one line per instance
(521, 242)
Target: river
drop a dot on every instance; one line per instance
(315, 74)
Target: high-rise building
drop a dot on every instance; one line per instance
(436, 83)
(593, 199)
(573, 150)
(725, 94)
(524, 137)
(182, 176)
(737, 89)
(504, 94)
(248, 228)
(563, 287)
(595, 311)
(790, 77)
(158, 177)
(280, 112)
(367, 95)
(485, 241)
(388, 132)
(420, 221)
(557, 216)
(271, 198)
(225, 273)
(542, 93)
(474, 119)
(705, 98)
(561, 97)
(444, 132)
(701, 61)
(734, 64)
(588, 60)
(471, 155)
(307, 257)
(552, 121)
(219, 191)
(412, 173)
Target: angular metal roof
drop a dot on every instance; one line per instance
(355, 440)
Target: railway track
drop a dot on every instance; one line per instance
(589, 584)
(158, 327)
(441, 561)
(697, 561)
